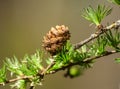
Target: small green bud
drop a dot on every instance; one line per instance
(75, 71)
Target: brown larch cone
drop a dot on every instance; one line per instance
(55, 39)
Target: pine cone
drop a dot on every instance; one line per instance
(55, 39)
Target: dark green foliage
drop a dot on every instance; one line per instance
(3, 74)
(69, 56)
(99, 46)
(113, 38)
(96, 15)
(117, 60)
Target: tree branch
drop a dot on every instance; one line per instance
(47, 68)
(16, 79)
(76, 46)
(115, 25)
(62, 68)
(86, 60)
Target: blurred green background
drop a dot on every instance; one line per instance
(23, 23)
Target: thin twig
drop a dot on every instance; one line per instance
(95, 35)
(106, 54)
(16, 79)
(47, 68)
(85, 60)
